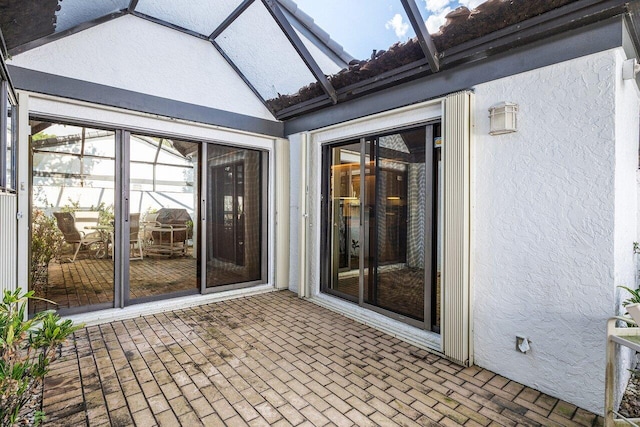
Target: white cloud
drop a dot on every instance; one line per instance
(398, 26)
(471, 4)
(437, 5)
(436, 20)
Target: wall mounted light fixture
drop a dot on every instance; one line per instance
(503, 118)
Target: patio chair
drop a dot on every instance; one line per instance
(134, 234)
(163, 239)
(86, 221)
(75, 236)
(148, 222)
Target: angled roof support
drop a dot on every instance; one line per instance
(132, 5)
(274, 8)
(202, 37)
(169, 25)
(242, 76)
(424, 38)
(73, 30)
(232, 17)
(633, 24)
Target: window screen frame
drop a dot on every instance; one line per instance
(7, 164)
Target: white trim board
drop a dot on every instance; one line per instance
(423, 339)
(171, 304)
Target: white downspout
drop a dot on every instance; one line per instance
(304, 217)
(283, 179)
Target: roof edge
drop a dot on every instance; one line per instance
(70, 88)
(544, 27)
(593, 38)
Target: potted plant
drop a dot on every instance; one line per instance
(632, 304)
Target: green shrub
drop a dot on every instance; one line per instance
(46, 239)
(635, 296)
(27, 347)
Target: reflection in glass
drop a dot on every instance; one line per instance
(73, 197)
(380, 245)
(396, 213)
(234, 215)
(163, 217)
(345, 220)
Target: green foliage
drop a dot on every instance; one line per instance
(46, 239)
(40, 136)
(27, 347)
(636, 248)
(149, 210)
(106, 213)
(189, 225)
(635, 296)
(39, 418)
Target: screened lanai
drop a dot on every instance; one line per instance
(75, 212)
(286, 58)
(73, 202)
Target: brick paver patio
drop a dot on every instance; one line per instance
(275, 359)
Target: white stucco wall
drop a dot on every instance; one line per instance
(138, 55)
(627, 122)
(554, 223)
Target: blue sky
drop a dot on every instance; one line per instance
(363, 25)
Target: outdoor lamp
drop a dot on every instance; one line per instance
(503, 118)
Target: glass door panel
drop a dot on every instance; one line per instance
(345, 220)
(235, 216)
(73, 189)
(438, 212)
(379, 220)
(400, 205)
(163, 218)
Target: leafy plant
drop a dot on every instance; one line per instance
(189, 225)
(27, 347)
(46, 239)
(106, 212)
(635, 296)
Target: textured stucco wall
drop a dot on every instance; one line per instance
(553, 204)
(626, 201)
(135, 54)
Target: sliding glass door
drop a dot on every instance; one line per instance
(346, 187)
(235, 242)
(73, 198)
(163, 194)
(121, 218)
(378, 243)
